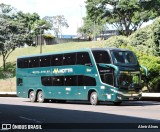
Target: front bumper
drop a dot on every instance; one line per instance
(129, 96)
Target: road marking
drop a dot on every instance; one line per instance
(22, 117)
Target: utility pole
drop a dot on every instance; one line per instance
(41, 27)
(94, 31)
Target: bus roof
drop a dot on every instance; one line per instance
(72, 51)
(110, 49)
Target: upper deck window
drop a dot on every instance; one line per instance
(56, 60)
(83, 58)
(69, 59)
(44, 61)
(23, 62)
(34, 62)
(101, 57)
(80, 58)
(124, 57)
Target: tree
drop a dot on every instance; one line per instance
(126, 15)
(91, 29)
(12, 32)
(32, 22)
(57, 22)
(156, 35)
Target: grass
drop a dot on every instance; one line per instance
(9, 84)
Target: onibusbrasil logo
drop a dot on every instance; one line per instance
(66, 70)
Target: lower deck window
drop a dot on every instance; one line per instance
(107, 78)
(19, 82)
(73, 80)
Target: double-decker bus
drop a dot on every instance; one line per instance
(100, 74)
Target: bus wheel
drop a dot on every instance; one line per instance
(40, 97)
(94, 98)
(32, 96)
(117, 103)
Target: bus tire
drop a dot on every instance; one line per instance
(32, 96)
(94, 98)
(40, 97)
(117, 103)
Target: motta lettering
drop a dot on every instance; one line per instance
(67, 70)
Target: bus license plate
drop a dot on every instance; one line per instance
(131, 98)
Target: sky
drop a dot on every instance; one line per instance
(73, 10)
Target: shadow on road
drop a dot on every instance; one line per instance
(69, 119)
(125, 103)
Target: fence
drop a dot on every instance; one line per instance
(45, 41)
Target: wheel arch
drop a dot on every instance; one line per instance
(36, 91)
(30, 91)
(90, 91)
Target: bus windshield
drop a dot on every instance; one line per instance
(124, 57)
(129, 80)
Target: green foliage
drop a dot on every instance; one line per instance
(153, 65)
(156, 35)
(147, 39)
(117, 41)
(142, 39)
(13, 33)
(91, 28)
(33, 23)
(9, 72)
(125, 15)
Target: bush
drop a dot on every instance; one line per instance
(153, 65)
(117, 41)
(9, 72)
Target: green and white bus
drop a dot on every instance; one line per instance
(102, 74)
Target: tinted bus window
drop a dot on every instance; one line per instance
(56, 60)
(69, 59)
(44, 61)
(86, 81)
(26, 63)
(83, 58)
(80, 80)
(75, 80)
(101, 57)
(89, 81)
(22, 63)
(19, 82)
(108, 78)
(46, 81)
(58, 81)
(70, 80)
(34, 62)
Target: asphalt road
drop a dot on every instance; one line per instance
(18, 110)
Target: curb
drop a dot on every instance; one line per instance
(8, 94)
(145, 96)
(150, 96)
